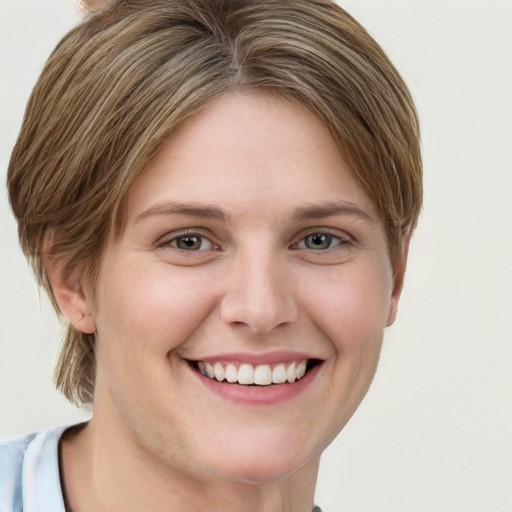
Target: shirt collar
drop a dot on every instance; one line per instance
(41, 476)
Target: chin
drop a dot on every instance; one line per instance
(260, 472)
(262, 462)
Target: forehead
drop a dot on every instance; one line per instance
(249, 151)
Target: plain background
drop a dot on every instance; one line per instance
(434, 433)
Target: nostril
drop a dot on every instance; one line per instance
(259, 298)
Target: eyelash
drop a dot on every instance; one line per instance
(340, 239)
(171, 242)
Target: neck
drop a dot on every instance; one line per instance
(104, 470)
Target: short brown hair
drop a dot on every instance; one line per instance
(121, 83)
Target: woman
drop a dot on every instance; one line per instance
(218, 196)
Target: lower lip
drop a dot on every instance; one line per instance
(259, 395)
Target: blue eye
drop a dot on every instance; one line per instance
(191, 243)
(319, 242)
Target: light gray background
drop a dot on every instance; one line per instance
(434, 433)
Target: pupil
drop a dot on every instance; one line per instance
(318, 241)
(189, 243)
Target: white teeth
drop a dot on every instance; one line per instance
(263, 375)
(247, 374)
(279, 374)
(219, 372)
(231, 373)
(291, 374)
(301, 370)
(209, 370)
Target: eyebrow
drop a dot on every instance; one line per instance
(309, 211)
(324, 209)
(194, 209)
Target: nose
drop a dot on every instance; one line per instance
(259, 294)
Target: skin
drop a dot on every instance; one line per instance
(258, 285)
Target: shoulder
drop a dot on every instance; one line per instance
(12, 452)
(29, 472)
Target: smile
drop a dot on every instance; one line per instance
(259, 375)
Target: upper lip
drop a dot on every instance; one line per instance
(258, 359)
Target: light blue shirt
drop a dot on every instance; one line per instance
(29, 473)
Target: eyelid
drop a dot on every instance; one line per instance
(343, 237)
(165, 240)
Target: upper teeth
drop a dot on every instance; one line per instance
(247, 374)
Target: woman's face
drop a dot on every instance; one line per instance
(249, 252)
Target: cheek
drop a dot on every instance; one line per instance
(352, 306)
(153, 310)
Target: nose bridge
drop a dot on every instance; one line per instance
(259, 292)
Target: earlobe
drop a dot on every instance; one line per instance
(393, 312)
(71, 298)
(398, 280)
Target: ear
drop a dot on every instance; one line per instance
(398, 279)
(73, 302)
